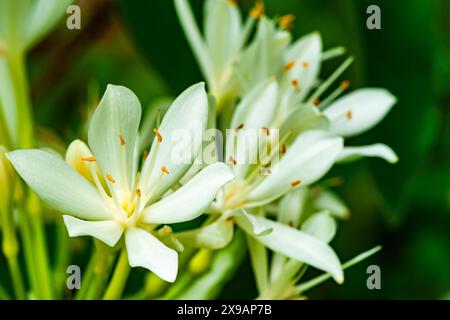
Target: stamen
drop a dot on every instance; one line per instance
(232, 2)
(333, 77)
(88, 159)
(137, 207)
(287, 21)
(290, 223)
(295, 183)
(97, 181)
(122, 140)
(258, 10)
(239, 127)
(164, 169)
(294, 83)
(349, 115)
(113, 193)
(283, 149)
(160, 137)
(145, 154)
(231, 160)
(305, 64)
(289, 65)
(266, 131)
(345, 84)
(166, 230)
(315, 101)
(110, 178)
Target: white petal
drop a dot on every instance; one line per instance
(254, 112)
(55, 182)
(302, 118)
(118, 113)
(291, 206)
(378, 150)
(328, 200)
(108, 231)
(42, 16)
(301, 246)
(309, 158)
(250, 223)
(359, 111)
(76, 151)
(192, 33)
(192, 199)
(320, 225)
(213, 236)
(182, 128)
(266, 49)
(144, 250)
(222, 33)
(306, 52)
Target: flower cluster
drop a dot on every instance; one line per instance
(289, 128)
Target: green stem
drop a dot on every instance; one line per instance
(97, 272)
(41, 258)
(62, 256)
(29, 253)
(87, 278)
(10, 248)
(322, 278)
(16, 277)
(118, 281)
(19, 78)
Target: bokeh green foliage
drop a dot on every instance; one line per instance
(404, 207)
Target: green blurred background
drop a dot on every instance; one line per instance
(403, 207)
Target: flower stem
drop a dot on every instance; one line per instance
(10, 247)
(16, 277)
(118, 281)
(27, 239)
(16, 101)
(41, 258)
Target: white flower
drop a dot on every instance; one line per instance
(216, 51)
(305, 161)
(108, 198)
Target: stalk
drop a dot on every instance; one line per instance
(119, 279)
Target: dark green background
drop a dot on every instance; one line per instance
(403, 207)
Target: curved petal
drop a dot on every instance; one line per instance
(181, 130)
(328, 200)
(309, 158)
(222, 33)
(192, 199)
(213, 236)
(144, 250)
(291, 207)
(359, 111)
(113, 131)
(42, 16)
(320, 225)
(250, 224)
(306, 54)
(254, 112)
(108, 231)
(76, 152)
(301, 246)
(55, 182)
(378, 150)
